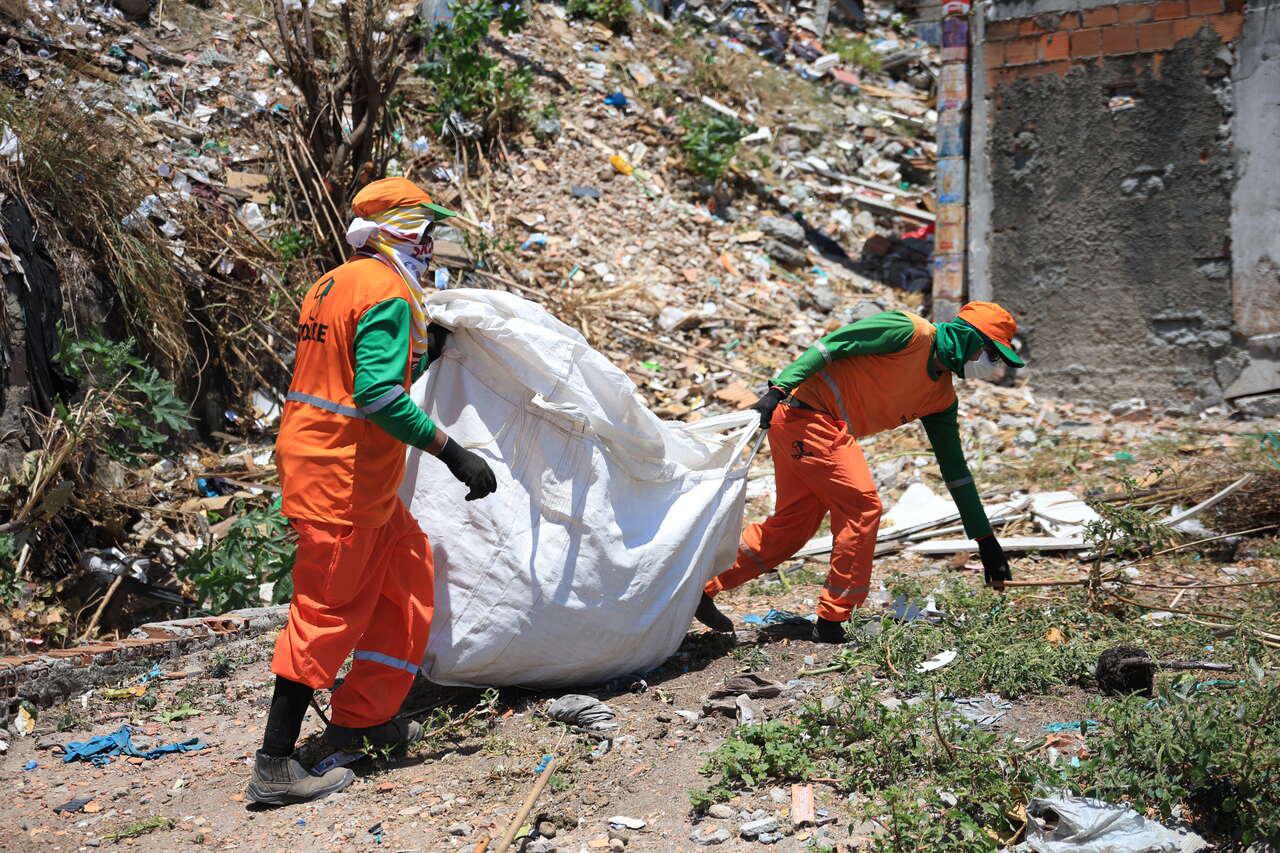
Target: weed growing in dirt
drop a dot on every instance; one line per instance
(469, 81)
(751, 658)
(257, 549)
(710, 142)
(853, 51)
(138, 828)
(10, 583)
(145, 409)
(614, 14)
(970, 780)
(1214, 750)
(1003, 646)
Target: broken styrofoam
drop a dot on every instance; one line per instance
(1061, 513)
(1066, 824)
(938, 661)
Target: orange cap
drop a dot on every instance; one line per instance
(383, 195)
(996, 325)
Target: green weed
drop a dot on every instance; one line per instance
(1212, 750)
(751, 658)
(853, 51)
(10, 583)
(614, 14)
(145, 409)
(710, 142)
(138, 828)
(466, 79)
(258, 548)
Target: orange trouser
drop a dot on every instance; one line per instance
(819, 468)
(370, 590)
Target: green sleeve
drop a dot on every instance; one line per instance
(883, 333)
(944, 435)
(381, 353)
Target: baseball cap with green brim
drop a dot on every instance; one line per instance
(1005, 351)
(440, 212)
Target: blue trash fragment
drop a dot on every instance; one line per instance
(538, 239)
(29, 766)
(150, 676)
(1069, 726)
(542, 764)
(778, 617)
(98, 750)
(616, 99)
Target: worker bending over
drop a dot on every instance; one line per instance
(363, 579)
(870, 376)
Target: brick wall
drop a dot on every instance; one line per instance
(1056, 42)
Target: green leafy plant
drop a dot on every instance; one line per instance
(144, 407)
(710, 142)
(292, 245)
(10, 583)
(469, 81)
(853, 51)
(614, 14)
(1211, 749)
(258, 548)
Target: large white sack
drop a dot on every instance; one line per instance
(588, 561)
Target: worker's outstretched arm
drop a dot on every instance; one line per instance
(884, 333)
(381, 355)
(943, 429)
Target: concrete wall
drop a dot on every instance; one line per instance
(1102, 182)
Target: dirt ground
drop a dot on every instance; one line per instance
(456, 793)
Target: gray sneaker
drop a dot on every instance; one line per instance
(282, 781)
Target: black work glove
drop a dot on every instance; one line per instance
(469, 468)
(436, 336)
(995, 567)
(766, 404)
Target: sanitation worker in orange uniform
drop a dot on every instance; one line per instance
(363, 580)
(872, 375)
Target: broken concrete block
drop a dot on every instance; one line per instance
(754, 828)
(786, 231)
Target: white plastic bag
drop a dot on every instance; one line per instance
(588, 561)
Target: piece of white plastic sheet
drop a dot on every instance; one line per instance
(1066, 824)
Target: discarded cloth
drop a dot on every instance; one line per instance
(120, 742)
(585, 712)
(1066, 824)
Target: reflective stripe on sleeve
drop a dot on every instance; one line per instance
(822, 348)
(955, 484)
(384, 400)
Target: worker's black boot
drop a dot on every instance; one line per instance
(391, 736)
(826, 631)
(708, 615)
(282, 781)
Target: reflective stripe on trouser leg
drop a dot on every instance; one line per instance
(795, 519)
(392, 647)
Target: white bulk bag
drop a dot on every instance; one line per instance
(588, 561)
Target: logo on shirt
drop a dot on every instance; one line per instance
(798, 451)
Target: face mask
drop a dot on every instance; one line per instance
(418, 258)
(984, 367)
